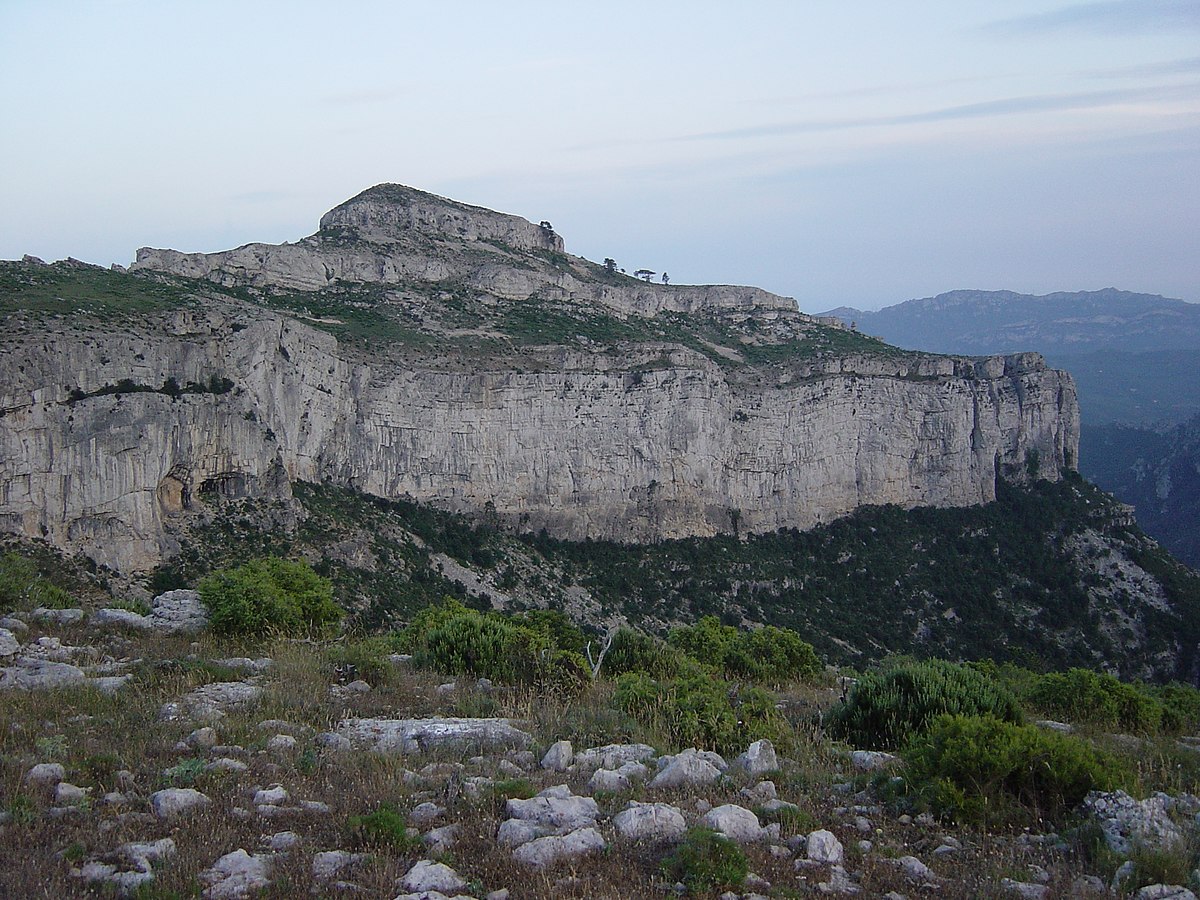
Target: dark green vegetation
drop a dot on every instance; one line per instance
(707, 861)
(982, 770)
(1012, 581)
(888, 707)
(72, 289)
(270, 595)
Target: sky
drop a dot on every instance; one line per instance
(840, 153)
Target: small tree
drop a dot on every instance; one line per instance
(644, 274)
(610, 265)
(666, 279)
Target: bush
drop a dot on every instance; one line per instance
(386, 828)
(635, 651)
(1079, 695)
(763, 654)
(706, 861)
(366, 659)
(1181, 707)
(21, 585)
(888, 708)
(269, 596)
(699, 711)
(982, 770)
(451, 638)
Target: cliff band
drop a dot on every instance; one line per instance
(673, 411)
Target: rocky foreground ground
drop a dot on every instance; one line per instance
(141, 757)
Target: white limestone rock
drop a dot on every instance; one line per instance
(9, 645)
(432, 876)
(650, 823)
(758, 759)
(175, 803)
(559, 757)
(236, 875)
(822, 846)
(419, 735)
(735, 822)
(546, 851)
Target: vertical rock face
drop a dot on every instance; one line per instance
(656, 444)
(660, 425)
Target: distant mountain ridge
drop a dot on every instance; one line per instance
(983, 322)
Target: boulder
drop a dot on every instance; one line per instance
(120, 618)
(236, 875)
(617, 780)
(32, 674)
(1164, 892)
(650, 823)
(432, 876)
(823, 847)
(735, 822)
(419, 735)
(178, 611)
(555, 811)
(687, 769)
(758, 758)
(210, 702)
(559, 757)
(9, 645)
(612, 756)
(871, 760)
(45, 775)
(546, 851)
(1126, 822)
(58, 616)
(174, 803)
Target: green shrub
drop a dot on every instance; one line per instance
(982, 770)
(269, 596)
(1181, 707)
(762, 654)
(22, 586)
(1079, 695)
(385, 828)
(889, 707)
(699, 711)
(635, 651)
(451, 638)
(706, 861)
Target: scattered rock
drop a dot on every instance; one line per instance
(9, 645)
(650, 823)
(275, 795)
(419, 735)
(612, 756)
(441, 840)
(32, 674)
(236, 875)
(546, 851)
(871, 760)
(424, 814)
(687, 769)
(282, 841)
(202, 738)
(179, 610)
(616, 780)
(839, 882)
(121, 618)
(823, 846)
(1164, 892)
(735, 822)
(1126, 822)
(45, 775)
(432, 876)
(281, 743)
(915, 870)
(67, 794)
(555, 809)
(173, 803)
(559, 757)
(758, 759)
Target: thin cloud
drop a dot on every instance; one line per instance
(987, 109)
(1189, 66)
(1118, 17)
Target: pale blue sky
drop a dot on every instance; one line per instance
(838, 153)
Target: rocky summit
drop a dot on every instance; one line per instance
(419, 348)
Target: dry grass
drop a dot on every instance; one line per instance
(96, 736)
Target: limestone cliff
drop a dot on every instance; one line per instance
(565, 399)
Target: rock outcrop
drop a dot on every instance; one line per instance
(636, 441)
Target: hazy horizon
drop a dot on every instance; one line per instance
(843, 156)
